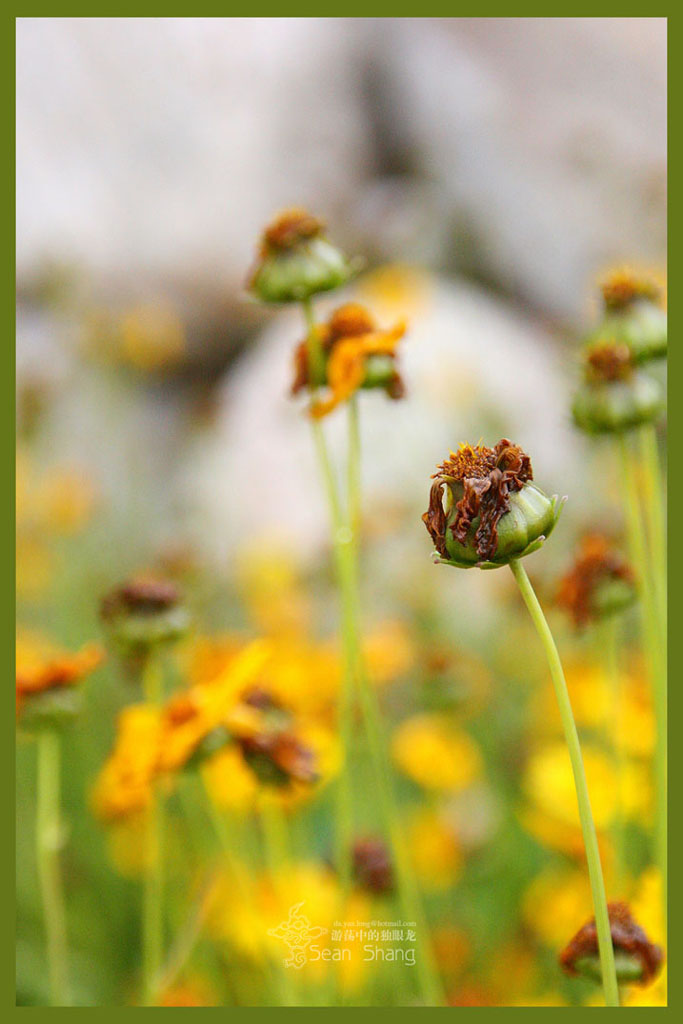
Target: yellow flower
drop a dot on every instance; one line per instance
(397, 289)
(190, 716)
(389, 651)
(126, 781)
(556, 903)
(435, 850)
(252, 913)
(230, 783)
(271, 589)
(552, 813)
(434, 754)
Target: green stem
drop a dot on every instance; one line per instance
(654, 511)
(48, 843)
(152, 904)
(344, 536)
(342, 539)
(654, 632)
(590, 839)
(609, 643)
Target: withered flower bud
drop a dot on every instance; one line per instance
(372, 866)
(296, 261)
(48, 691)
(143, 613)
(493, 512)
(354, 353)
(599, 584)
(638, 961)
(279, 759)
(615, 396)
(633, 315)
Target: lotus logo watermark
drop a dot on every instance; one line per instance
(297, 933)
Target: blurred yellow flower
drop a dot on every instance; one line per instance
(435, 754)
(397, 289)
(246, 913)
(125, 783)
(271, 588)
(556, 903)
(434, 849)
(152, 337)
(551, 812)
(389, 651)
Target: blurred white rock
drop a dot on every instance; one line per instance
(161, 145)
(547, 137)
(151, 150)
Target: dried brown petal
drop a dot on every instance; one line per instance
(488, 476)
(627, 937)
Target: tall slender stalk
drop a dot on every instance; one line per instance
(654, 638)
(654, 514)
(48, 843)
(342, 540)
(609, 644)
(152, 904)
(344, 535)
(590, 839)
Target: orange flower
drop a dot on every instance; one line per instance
(357, 354)
(41, 666)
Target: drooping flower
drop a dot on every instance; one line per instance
(638, 960)
(493, 512)
(600, 582)
(355, 353)
(296, 261)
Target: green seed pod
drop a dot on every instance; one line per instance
(642, 326)
(615, 396)
(611, 408)
(629, 969)
(295, 260)
(633, 316)
(612, 596)
(142, 615)
(53, 709)
(637, 960)
(493, 513)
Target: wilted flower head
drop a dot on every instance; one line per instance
(144, 612)
(265, 732)
(599, 583)
(46, 680)
(633, 314)
(615, 395)
(355, 353)
(637, 959)
(622, 287)
(372, 866)
(296, 261)
(493, 511)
